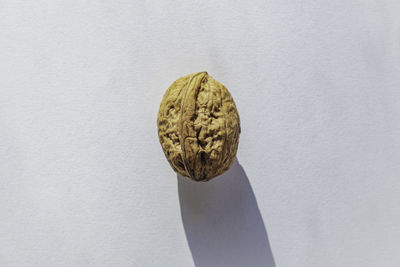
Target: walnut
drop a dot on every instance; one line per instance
(198, 127)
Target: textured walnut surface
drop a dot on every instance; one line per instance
(198, 127)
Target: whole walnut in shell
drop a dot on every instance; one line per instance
(198, 127)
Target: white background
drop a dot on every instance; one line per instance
(84, 182)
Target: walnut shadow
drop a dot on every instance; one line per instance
(222, 222)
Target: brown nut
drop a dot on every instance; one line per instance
(198, 127)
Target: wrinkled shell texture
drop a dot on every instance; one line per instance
(198, 127)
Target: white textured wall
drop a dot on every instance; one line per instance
(83, 181)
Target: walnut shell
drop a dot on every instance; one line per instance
(198, 127)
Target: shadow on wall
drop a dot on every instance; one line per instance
(222, 222)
